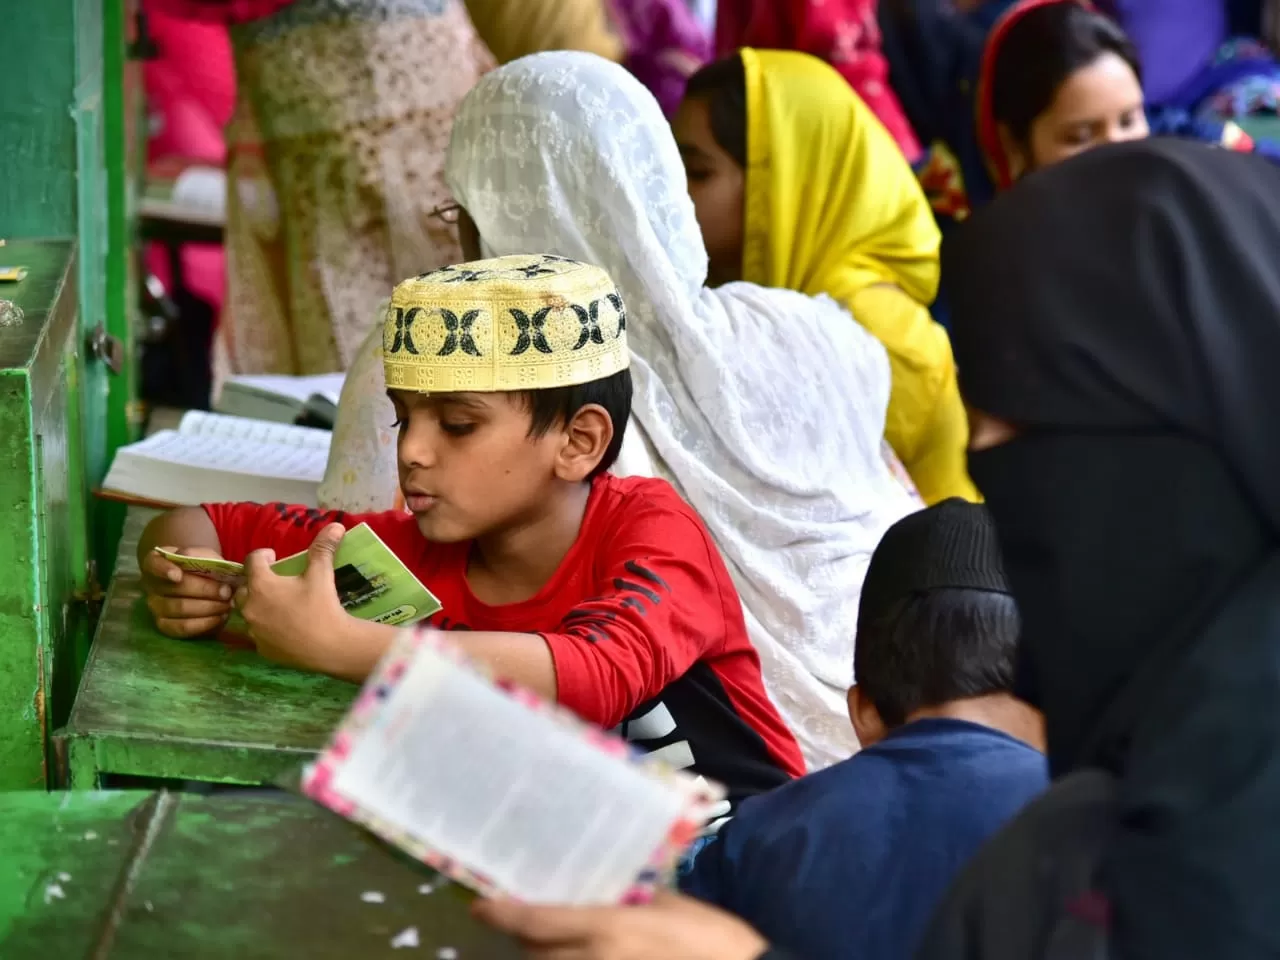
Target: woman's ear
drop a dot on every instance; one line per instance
(1014, 152)
(587, 436)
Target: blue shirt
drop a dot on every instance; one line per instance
(851, 861)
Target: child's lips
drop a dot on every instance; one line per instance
(419, 502)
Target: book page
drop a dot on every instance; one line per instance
(197, 196)
(223, 571)
(327, 385)
(510, 793)
(260, 432)
(201, 189)
(234, 452)
(371, 581)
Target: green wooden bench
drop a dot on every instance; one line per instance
(137, 876)
(152, 706)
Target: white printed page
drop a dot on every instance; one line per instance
(328, 385)
(234, 453)
(248, 431)
(506, 791)
(202, 189)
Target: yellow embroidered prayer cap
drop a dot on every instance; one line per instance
(525, 322)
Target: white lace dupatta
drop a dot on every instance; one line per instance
(765, 408)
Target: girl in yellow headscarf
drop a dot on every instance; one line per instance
(798, 185)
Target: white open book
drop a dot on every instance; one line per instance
(212, 458)
(499, 790)
(198, 195)
(281, 399)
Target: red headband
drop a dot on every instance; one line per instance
(988, 129)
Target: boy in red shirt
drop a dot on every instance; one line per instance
(608, 595)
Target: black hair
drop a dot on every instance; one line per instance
(935, 646)
(1040, 51)
(723, 85)
(556, 406)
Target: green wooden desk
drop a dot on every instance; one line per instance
(189, 710)
(71, 150)
(47, 591)
(138, 876)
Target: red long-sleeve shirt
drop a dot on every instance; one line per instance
(643, 623)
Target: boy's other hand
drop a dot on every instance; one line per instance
(184, 604)
(297, 621)
(672, 927)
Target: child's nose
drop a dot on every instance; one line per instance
(416, 449)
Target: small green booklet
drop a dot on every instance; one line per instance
(373, 584)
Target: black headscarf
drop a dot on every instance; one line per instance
(1123, 309)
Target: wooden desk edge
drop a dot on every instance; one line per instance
(82, 752)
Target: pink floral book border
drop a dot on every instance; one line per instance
(318, 778)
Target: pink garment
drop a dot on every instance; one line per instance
(190, 92)
(665, 45)
(845, 33)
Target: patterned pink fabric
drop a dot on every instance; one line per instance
(845, 33)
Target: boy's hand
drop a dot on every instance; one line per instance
(298, 621)
(673, 927)
(184, 604)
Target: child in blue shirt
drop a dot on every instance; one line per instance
(852, 860)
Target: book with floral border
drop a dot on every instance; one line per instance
(501, 791)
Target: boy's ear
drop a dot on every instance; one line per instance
(868, 726)
(587, 436)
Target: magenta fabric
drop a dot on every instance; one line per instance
(665, 45)
(191, 92)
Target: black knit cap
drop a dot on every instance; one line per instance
(949, 545)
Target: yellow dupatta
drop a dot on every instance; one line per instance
(833, 207)
(515, 28)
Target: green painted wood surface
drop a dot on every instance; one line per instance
(69, 122)
(37, 132)
(254, 877)
(152, 706)
(43, 527)
(124, 155)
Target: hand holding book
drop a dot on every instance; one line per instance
(188, 590)
(315, 609)
(300, 621)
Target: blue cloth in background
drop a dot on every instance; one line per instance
(1176, 39)
(852, 860)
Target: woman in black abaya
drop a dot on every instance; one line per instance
(1116, 321)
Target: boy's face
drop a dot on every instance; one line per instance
(468, 467)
